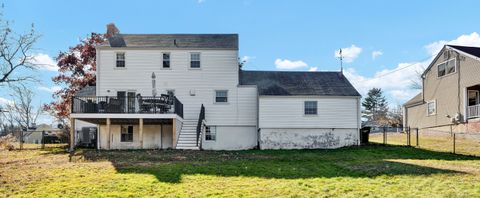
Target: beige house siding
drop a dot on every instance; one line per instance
(448, 91)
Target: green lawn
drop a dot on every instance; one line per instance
(371, 171)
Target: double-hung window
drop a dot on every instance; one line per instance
(446, 67)
(310, 107)
(221, 96)
(126, 133)
(195, 60)
(431, 107)
(120, 59)
(166, 60)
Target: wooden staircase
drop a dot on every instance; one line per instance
(187, 139)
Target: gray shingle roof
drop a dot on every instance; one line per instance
(180, 41)
(283, 83)
(417, 99)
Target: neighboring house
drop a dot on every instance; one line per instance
(450, 95)
(165, 90)
(35, 135)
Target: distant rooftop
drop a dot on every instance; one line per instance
(172, 41)
(288, 83)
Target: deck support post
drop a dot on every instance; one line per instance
(72, 134)
(174, 133)
(109, 132)
(140, 131)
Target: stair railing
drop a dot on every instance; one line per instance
(201, 118)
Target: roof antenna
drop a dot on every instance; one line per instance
(341, 60)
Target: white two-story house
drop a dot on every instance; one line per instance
(187, 91)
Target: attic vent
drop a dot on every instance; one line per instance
(446, 55)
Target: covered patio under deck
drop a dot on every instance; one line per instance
(132, 131)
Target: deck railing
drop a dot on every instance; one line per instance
(111, 104)
(473, 111)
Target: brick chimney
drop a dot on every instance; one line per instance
(112, 30)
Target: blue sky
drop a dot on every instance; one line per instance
(287, 35)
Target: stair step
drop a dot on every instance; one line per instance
(187, 148)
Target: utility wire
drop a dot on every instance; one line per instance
(396, 70)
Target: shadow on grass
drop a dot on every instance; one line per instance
(368, 161)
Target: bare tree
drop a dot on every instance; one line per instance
(22, 110)
(417, 81)
(16, 53)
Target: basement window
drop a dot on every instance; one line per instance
(120, 59)
(210, 133)
(310, 107)
(447, 67)
(126, 133)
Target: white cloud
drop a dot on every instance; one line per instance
(44, 62)
(52, 89)
(472, 39)
(313, 69)
(200, 1)
(247, 58)
(4, 101)
(349, 53)
(376, 54)
(288, 64)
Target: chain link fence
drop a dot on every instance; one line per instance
(435, 140)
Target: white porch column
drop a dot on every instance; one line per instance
(109, 134)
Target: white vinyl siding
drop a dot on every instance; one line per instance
(219, 72)
(288, 112)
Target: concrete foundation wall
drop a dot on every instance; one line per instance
(232, 138)
(307, 138)
(154, 137)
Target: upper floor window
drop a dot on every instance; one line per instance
(120, 59)
(221, 96)
(446, 67)
(126, 133)
(310, 107)
(431, 107)
(195, 60)
(166, 60)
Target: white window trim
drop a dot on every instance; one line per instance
(190, 61)
(455, 62)
(133, 133)
(124, 60)
(161, 63)
(304, 114)
(435, 107)
(215, 96)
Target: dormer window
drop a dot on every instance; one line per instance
(447, 67)
(195, 60)
(120, 59)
